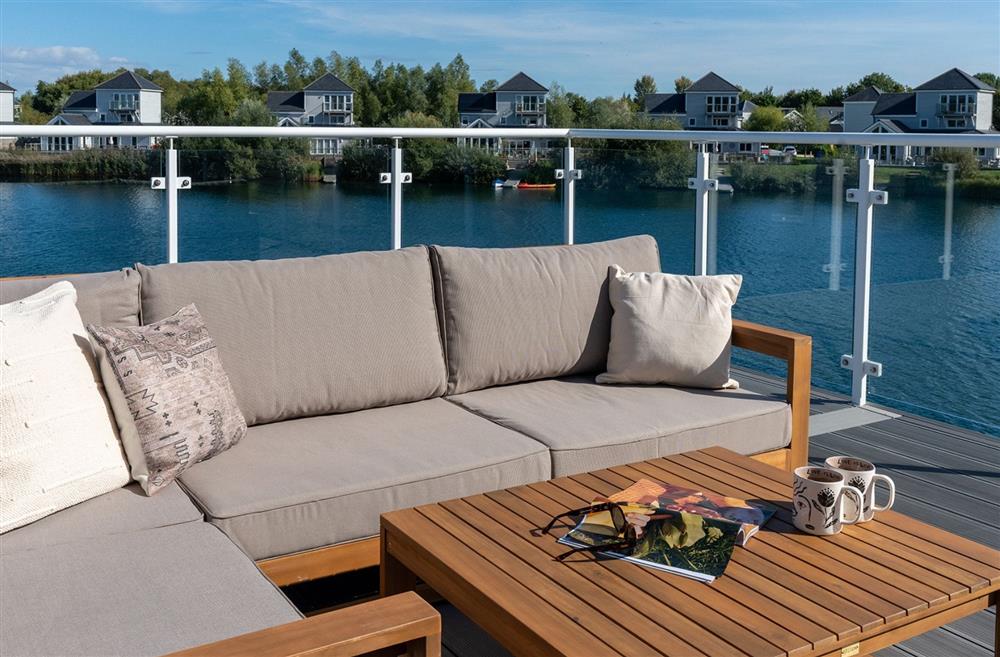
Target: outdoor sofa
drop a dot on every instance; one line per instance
(370, 382)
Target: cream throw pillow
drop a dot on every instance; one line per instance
(58, 445)
(670, 329)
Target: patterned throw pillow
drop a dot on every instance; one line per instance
(173, 401)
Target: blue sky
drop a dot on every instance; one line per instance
(594, 48)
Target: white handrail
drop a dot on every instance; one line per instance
(941, 140)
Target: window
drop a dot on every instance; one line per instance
(956, 123)
(465, 121)
(338, 103)
(720, 122)
(923, 123)
(312, 119)
(746, 148)
(691, 121)
(529, 103)
(720, 104)
(324, 146)
(957, 104)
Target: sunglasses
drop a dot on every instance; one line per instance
(622, 527)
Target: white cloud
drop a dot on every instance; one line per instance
(25, 66)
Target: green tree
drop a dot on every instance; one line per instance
(488, 86)
(296, 70)
(559, 111)
(808, 120)
(238, 79)
(29, 115)
(643, 87)
(682, 83)
(799, 98)
(763, 98)
(885, 82)
(766, 119)
(210, 102)
(966, 160)
(835, 97)
(49, 97)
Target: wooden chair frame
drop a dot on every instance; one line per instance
(793, 348)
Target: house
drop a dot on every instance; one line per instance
(710, 103)
(953, 102)
(125, 98)
(326, 101)
(6, 112)
(831, 115)
(517, 103)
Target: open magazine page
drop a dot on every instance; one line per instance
(655, 495)
(682, 543)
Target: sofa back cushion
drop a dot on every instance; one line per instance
(107, 299)
(309, 336)
(511, 315)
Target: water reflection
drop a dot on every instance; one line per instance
(836, 264)
(949, 208)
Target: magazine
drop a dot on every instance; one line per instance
(689, 532)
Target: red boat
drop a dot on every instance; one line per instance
(525, 185)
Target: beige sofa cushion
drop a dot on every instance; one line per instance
(58, 443)
(108, 298)
(332, 476)
(121, 511)
(514, 315)
(308, 336)
(588, 426)
(670, 329)
(145, 593)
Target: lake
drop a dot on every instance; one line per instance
(938, 338)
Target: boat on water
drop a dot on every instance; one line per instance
(525, 185)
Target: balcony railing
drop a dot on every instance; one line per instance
(522, 108)
(704, 184)
(944, 109)
(124, 106)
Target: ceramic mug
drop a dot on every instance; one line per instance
(860, 475)
(818, 501)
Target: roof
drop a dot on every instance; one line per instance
(896, 104)
(954, 79)
(522, 82)
(866, 95)
(712, 82)
(477, 102)
(6, 87)
(81, 100)
(329, 82)
(129, 80)
(747, 106)
(664, 103)
(71, 119)
(829, 112)
(286, 101)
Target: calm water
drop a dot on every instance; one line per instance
(938, 340)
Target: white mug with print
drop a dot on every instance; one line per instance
(860, 475)
(818, 501)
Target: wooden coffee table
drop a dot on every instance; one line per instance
(786, 593)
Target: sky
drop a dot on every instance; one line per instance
(589, 47)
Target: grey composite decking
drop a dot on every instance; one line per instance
(944, 475)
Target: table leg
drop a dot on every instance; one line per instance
(426, 647)
(394, 577)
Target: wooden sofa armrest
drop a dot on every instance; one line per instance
(796, 350)
(404, 619)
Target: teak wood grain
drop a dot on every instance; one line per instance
(784, 594)
(404, 620)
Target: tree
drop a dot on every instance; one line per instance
(993, 80)
(296, 70)
(682, 83)
(488, 86)
(49, 97)
(211, 100)
(764, 98)
(643, 87)
(883, 81)
(559, 111)
(809, 120)
(798, 99)
(835, 97)
(29, 115)
(765, 119)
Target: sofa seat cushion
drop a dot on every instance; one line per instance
(107, 299)
(588, 426)
(122, 510)
(145, 593)
(311, 336)
(319, 481)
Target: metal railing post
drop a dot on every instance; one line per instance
(949, 210)
(569, 174)
(702, 185)
(835, 266)
(171, 183)
(866, 196)
(395, 179)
